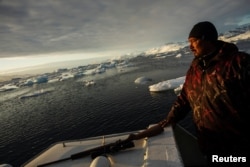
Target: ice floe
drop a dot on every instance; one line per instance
(35, 80)
(41, 79)
(36, 93)
(8, 87)
(178, 89)
(166, 85)
(65, 76)
(89, 83)
(178, 55)
(94, 71)
(143, 80)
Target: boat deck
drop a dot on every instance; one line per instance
(157, 151)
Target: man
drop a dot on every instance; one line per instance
(217, 91)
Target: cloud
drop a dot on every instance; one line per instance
(33, 27)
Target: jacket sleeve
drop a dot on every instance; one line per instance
(179, 109)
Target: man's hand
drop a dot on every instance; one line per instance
(152, 131)
(132, 137)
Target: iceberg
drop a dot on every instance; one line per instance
(8, 87)
(36, 93)
(29, 82)
(178, 55)
(166, 85)
(89, 83)
(178, 89)
(53, 80)
(94, 71)
(66, 76)
(143, 80)
(100, 70)
(90, 72)
(41, 79)
(37, 80)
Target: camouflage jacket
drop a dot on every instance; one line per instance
(217, 90)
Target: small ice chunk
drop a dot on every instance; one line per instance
(143, 80)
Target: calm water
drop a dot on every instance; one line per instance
(72, 111)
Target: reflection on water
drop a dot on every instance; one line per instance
(73, 111)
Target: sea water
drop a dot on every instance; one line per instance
(73, 111)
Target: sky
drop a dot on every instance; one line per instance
(38, 32)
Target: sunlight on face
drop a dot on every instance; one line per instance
(199, 47)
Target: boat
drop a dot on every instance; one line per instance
(170, 148)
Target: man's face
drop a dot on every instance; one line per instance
(197, 46)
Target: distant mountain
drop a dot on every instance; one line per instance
(170, 47)
(236, 32)
(241, 33)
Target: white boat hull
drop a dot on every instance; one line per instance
(157, 151)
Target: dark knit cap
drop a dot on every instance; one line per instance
(204, 30)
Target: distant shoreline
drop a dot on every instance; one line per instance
(46, 68)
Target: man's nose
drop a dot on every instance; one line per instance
(191, 46)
